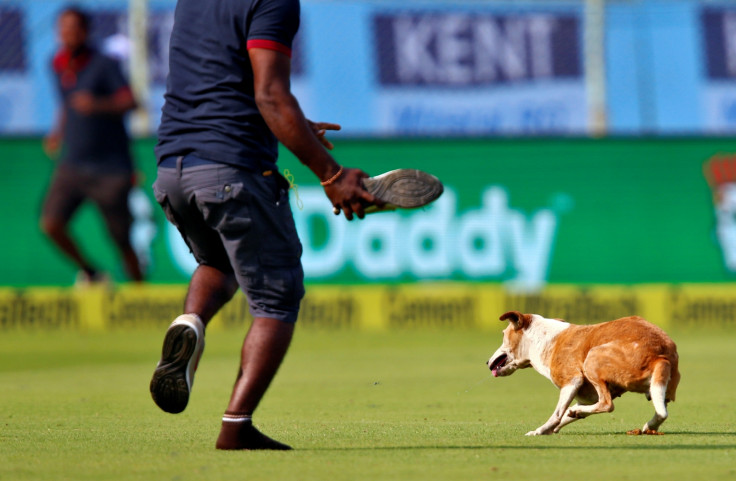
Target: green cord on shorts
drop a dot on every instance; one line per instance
(292, 185)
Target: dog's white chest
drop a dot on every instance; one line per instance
(540, 338)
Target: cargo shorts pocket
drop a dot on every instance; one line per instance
(163, 200)
(282, 247)
(225, 208)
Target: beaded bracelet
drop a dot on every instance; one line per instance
(332, 179)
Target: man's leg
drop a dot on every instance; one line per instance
(263, 351)
(209, 290)
(57, 231)
(120, 231)
(171, 385)
(275, 286)
(132, 263)
(62, 200)
(236, 234)
(111, 193)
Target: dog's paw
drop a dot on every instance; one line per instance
(648, 432)
(574, 413)
(533, 433)
(539, 432)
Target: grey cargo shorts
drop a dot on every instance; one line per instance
(238, 221)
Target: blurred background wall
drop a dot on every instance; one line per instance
(584, 145)
(436, 67)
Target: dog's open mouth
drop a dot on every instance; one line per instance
(498, 363)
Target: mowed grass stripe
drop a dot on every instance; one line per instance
(355, 405)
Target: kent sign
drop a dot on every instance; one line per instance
(455, 49)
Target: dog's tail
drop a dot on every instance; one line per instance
(674, 378)
(665, 373)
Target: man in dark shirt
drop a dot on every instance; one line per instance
(95, 160)
(227, 103)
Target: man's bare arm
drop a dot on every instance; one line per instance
(284, 116)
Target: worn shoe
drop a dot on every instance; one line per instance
(403, 189)
(172, 380)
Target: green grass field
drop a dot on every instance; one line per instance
(355, 405)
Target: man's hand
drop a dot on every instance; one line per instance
(52, 144)
(348, 195)
(320, 128)
(83, 102)
(118, 103)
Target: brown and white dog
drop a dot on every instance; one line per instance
(593, 363)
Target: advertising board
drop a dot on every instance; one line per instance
(524, 213)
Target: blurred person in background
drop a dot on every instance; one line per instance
(228, 103)
(91, 145)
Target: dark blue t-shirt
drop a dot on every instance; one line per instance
(210, 108)
(97, 142)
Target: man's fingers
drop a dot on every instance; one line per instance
(371, 199)
(320, 130)
(358, 209)
(326, 126)
(326, 143)
(348, 212)
(347, 209)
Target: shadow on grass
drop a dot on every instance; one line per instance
(671, 447)
(664, 435)
(587, 437)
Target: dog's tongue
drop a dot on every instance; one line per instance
(495, 372)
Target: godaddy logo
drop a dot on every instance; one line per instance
(493, 241)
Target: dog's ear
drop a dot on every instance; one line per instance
(519, 320)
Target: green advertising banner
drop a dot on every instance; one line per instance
(522, 212)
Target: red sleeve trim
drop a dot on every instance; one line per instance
(61, 60)
(269, 45)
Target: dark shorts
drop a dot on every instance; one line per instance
(70, 187)
(238, 221)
